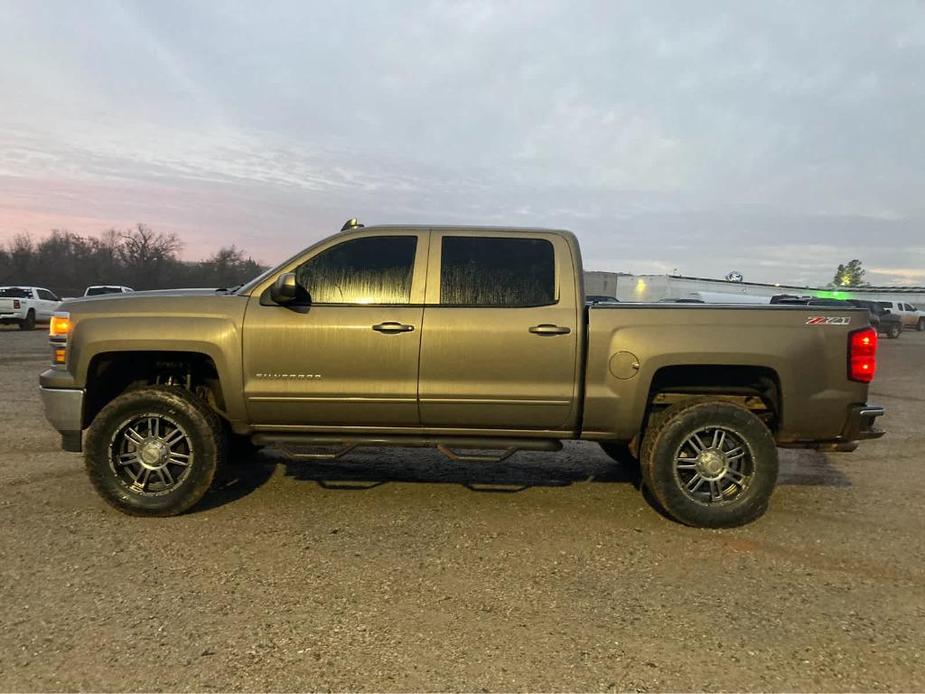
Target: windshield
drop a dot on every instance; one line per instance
(15, 292)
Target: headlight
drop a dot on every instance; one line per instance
(58, 330)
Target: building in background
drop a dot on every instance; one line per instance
(649, 288)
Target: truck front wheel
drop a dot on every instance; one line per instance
(710, 464)
(154, 451)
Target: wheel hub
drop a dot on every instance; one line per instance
(712, 464)
(153, 453)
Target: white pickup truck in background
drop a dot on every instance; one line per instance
(912, 317)
(27, 306)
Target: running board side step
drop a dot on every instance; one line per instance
(449, 446)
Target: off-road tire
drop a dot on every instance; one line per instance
(207, 446)
(664, 438)
(893, 332)
(28, 323)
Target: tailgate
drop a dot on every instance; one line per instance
(7, 306)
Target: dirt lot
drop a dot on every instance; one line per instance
(396, 570)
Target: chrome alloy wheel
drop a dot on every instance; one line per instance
(713, 465)
(151, 454)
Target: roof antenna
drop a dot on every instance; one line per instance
(352, 223)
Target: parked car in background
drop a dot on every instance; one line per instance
(99, 289)
(881, 317)
(912, 318)
(27, 306)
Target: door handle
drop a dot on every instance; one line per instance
(391, 327)
(548, 329)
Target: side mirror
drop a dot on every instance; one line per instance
(284, 289)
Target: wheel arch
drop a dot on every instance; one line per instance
(113, 372)
(755, 387)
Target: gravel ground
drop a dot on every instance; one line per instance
(396, 570)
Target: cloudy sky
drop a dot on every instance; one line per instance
(773, 138)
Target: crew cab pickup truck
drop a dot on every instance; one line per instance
(25, 306)
(467, 339)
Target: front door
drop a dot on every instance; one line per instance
(348, 357)
(501, 331)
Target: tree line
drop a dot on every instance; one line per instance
(140, 257)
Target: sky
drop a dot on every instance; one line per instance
(776, 139)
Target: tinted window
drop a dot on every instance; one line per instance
(16, 292)
(96, 291)
(47, 295)
(479, 271)
(374, 270)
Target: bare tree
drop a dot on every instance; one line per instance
(139, 257)
(142, 246)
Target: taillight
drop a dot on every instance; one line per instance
(862, 355)
(16, 303)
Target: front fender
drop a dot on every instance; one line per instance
(218, 338)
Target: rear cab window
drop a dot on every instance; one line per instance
(15, 293)
(486, 271)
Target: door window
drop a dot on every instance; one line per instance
(493, 271)
(47, 295)
(371, 270)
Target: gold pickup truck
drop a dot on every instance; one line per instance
(467, 339)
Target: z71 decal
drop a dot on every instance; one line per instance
(828, 320)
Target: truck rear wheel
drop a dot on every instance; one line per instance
(154, 451)
(28, 323)
(710, 464)
(893, 332)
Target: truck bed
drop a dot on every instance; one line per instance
(804, 350)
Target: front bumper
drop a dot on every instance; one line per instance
(64, 411)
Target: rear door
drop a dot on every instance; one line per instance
(501, 327)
